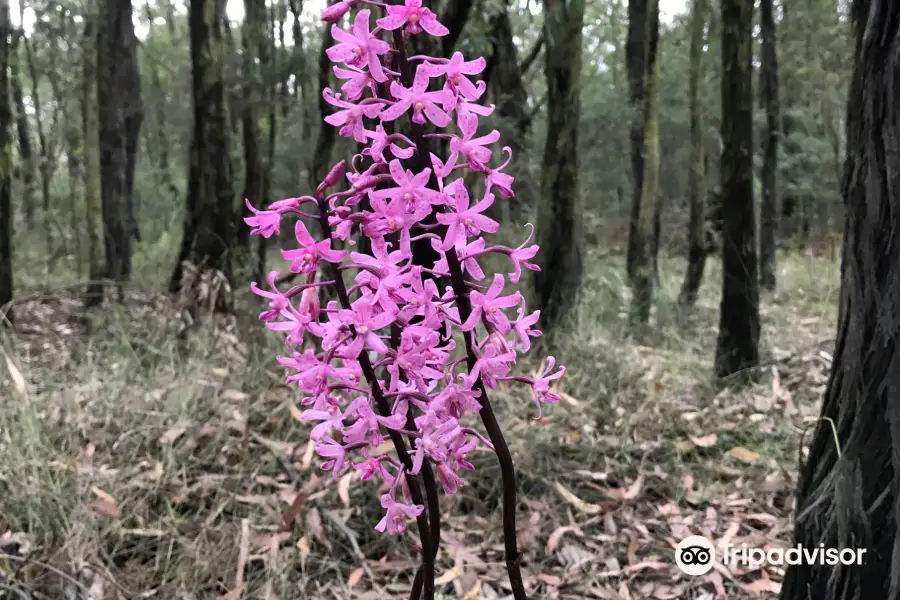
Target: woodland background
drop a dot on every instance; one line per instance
(149, 447)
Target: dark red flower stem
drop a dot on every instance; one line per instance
(385, 409)
(507, 469)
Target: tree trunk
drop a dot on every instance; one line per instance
(90, 117)
(768, 78)
(26, 152)
(643, 258)
(697, 246)
(511, 99)
(738, 344)
(163, 168)
(321, 161)
(209, 221)
(46, 163)
(115, 101)
(134, 118)
(847, 495)
(640, 51)
(254, 32)
(560, 218)
(6, 214)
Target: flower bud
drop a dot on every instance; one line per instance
(334, 176)
(309, 303)
(336, 12)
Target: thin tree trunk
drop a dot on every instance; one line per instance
(163, 168)
(768, 77)
(45, 166)
(738, 344)
(26, 152)
(114, 81)
(6, 214)
(321, 161)
(209, 221)
(636, 46)
(134, 118)
(697, 246)
(253, 33)
(643, 265)
(90, 116)
(847, 494)
(560, 218)
(511, 99)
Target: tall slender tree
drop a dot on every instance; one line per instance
(640, 54)
(90, 118)
(848, 491)
(698, 248)
(738, 343)
(560, 218)
(642, 242)
(768, 79)
(120, 117)
(6, 214)
(209, 227)
(23, 130)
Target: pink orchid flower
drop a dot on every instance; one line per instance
(414, 17)
(394, 520)
(305, 259)
(423, 103)
(350, 120)
(358, 47)
(466, 221)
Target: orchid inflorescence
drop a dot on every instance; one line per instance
(387, 361)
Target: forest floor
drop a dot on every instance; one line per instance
(140, 463)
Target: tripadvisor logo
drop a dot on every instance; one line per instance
(695, 555)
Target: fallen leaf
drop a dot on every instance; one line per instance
(551, 580)
(172, 433)
(448, 576)
(314, 526)
(635, 488)
(744, 455)
(303, 547)
(556, 536)
(104, 503)
(706, 441)
(344, 487)
(17, 378)
(586, 507)
(355, 576)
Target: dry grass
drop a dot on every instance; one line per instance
(149, 464)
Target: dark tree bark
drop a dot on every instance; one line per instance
(321, 161)
(26, 152)
(6, 214)
(46, 160)
(120, 117)
(134, 118)
(511, 99)
(738, 343)
(768, 78)
(697, 245)
(253, 33)
(848, 495)
(640, 52)
(90, 117)
(209, 221)
(642, 241)
(560, 218)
